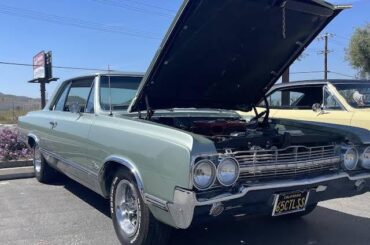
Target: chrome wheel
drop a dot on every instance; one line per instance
(37, 159)
(127, 205)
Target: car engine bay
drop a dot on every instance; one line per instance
(235, 133)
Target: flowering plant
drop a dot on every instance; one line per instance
(11, 148)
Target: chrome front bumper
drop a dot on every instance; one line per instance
(185, 201)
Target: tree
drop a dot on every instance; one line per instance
(358, 51)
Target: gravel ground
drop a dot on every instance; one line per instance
(67, 213)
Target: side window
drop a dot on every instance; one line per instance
(295, 98)
(118, 91)
(79, 93)
(283, 99)
(90, 102)
(330, 102)
(59, 105)
(275, 99)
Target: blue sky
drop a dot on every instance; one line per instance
(21, 38)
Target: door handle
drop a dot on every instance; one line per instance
(53, 124)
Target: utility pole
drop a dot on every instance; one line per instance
(326, 57)
(13, 111)
(326, 52)
(285, 77)
(285, 96)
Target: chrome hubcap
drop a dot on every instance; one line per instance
(37, 159)
(127, 207)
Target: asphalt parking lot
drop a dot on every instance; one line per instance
(67, 213)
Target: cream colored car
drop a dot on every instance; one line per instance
(345, 102)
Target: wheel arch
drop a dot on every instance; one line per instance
(111, 164)
(32, 140)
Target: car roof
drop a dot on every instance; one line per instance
(317, 82)
(123, 74)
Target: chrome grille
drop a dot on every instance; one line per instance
(293, 160)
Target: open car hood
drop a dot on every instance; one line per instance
(226, 54)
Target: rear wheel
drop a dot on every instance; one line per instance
(132, 220)
(43, 172)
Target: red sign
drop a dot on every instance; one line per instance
(39, 65)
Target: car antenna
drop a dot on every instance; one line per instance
(110, 94)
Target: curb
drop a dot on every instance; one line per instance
(16, 173)
(16, 164)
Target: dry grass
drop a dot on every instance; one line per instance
(10, 117)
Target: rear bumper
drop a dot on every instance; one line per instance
(187, 208)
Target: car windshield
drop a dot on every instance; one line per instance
(122, 91)
(357, 95)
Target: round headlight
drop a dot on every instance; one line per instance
(350, 159)
(365, 159)
(228, 171)
(204, 174)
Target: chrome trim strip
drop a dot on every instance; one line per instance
(155, 201)
(279, 184)
(70, 163)
(127, 163)
(185, 201)
(278, 169)
(82, 175)
(316, 154)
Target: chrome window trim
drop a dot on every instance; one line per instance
(327, 88)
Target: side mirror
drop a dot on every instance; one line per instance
(316, 107)
(75, 107)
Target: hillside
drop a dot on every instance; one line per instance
(8, 102)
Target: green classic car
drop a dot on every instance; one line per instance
(167, 147)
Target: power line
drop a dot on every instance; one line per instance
(109, 70)
(150, 5)
(344, 38)
(312, 50)
(57, 67)
(66, 21)
(339, 44)
(306, 72)
(134, 8)
(341, 74)
(333, 72)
